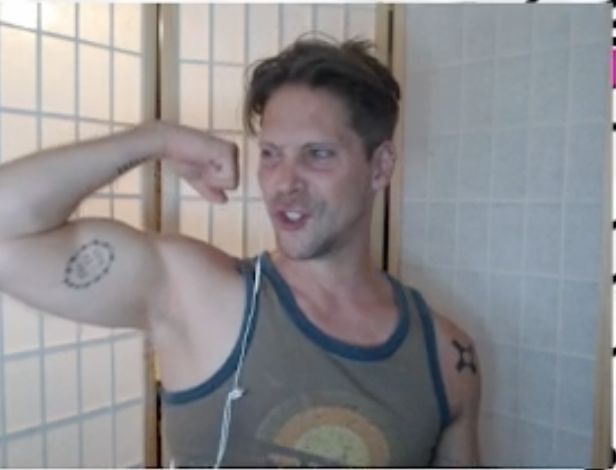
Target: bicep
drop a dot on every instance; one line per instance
(458, 445)
(96, 271)
(460, 365)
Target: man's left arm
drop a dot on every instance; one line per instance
(459, 443)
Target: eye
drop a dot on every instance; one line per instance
(266, 154)
(320, 154)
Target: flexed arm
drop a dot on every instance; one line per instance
(97, 270)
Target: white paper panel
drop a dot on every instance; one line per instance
(97, 442)
(228, 227)
(25, 452)
(61, 384)
(129, 368)
(17, 68)
(228, 83)
(194, 219)
(194, 31)
(57, 132)
(19, 13)
(23, 126)
(297, 20)
(94, 82)
(23, 393)
(90, 332)
(127, 95)
(361, 23)
(129, 212)
(129, 183)
(194, 95)
(330, 20)
(58, 18)
(252, 164)
(127, 26)
(21, 326)
(261, 234)
(91, 207)
(58, 331)
(129, 436)
(58, 80)
(229, 32)
(63, 446)
(96, 376)
(95, 22)
(264, 31)
(91, 130)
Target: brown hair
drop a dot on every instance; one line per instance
(347, 70)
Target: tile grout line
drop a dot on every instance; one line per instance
(243, 181)
(561, 282)
(111, 342)
(79, 326)
(3, 446)
(525, 206)
(41, 323)
(210, 107)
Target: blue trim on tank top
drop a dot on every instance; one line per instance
(435, 370)
(227, 369)
(329, 343)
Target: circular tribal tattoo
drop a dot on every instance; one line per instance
(88, 265)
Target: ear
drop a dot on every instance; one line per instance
(383, 163)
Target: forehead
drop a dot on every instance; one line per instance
(296, 110)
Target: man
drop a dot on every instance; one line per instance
(307, 356)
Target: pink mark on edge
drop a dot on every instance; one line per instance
(613, 68)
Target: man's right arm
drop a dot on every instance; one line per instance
(96, 270)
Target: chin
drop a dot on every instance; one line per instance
(302, 251)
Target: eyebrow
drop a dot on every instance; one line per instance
(308, 144)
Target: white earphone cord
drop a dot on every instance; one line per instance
(236, 392)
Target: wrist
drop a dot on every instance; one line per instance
(150, 141)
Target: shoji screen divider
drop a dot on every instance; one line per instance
(74, 395)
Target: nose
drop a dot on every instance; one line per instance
(288, 178)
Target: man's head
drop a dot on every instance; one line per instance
(327, 115)
(348, 71)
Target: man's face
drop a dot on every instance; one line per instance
(314, 173)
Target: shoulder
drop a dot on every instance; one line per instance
(459, 364)
(185, 256)
(201, 281)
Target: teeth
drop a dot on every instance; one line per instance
(294, 216)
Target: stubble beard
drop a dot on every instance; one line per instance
(319, 245)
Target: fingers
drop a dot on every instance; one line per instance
(214, 176)
(208, 163)
(222, 168)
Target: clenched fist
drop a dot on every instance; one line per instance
(209, 164)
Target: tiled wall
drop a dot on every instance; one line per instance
(507, 131)
(71, 395)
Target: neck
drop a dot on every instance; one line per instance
(347, 271)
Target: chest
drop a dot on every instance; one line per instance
(360, 323)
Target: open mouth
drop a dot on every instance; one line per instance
(291, 220)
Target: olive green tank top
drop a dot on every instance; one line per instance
(311, 399)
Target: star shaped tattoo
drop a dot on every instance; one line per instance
(467, 357)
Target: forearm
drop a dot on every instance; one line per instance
(40, 192)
